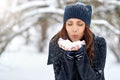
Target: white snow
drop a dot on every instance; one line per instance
(112, 68)
(30, 4)
(115, 2)
(107, 24)
(24, 62)
(68, 45)
(43, 10)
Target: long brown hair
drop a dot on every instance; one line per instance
(88, 37)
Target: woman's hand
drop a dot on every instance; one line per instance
(70, 46)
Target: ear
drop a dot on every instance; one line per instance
(89, 7)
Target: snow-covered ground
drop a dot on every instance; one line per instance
(112, 68)
(24, 62)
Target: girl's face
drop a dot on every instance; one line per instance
(75, 28)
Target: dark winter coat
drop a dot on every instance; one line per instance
(66, 68)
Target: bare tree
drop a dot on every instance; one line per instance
(28, 13)
(16, 20)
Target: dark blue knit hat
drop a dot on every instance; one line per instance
(79, 10)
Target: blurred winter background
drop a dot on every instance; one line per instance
(26, 27)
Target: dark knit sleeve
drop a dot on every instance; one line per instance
(99, 64)
(57, 72)
(86, 70)
(53, 59)
(53, 53)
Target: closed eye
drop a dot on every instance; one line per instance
(80, 24)
(69, 24)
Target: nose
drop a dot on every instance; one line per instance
(74, 29)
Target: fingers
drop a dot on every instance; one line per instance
(70, 46)
(63, 46)
(83, 42)
(74, 49)
(78, 46)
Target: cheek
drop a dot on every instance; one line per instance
(68, 30)
(81, 32)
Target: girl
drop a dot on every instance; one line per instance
(75, 52)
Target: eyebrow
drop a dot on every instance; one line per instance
(77, 21)
(69, 21)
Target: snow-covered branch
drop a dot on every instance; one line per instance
(7, 40)
(29, 5)
(43, 11)
(108, 25)
(114, 2)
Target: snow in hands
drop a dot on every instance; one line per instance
(70, 46)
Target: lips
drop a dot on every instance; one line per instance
(75, 36)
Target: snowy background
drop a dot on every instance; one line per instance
(24, 62)
(24, 37)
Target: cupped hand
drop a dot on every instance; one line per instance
(70, 46)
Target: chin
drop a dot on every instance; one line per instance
(75, 40)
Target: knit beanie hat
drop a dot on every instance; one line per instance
(79, 10)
